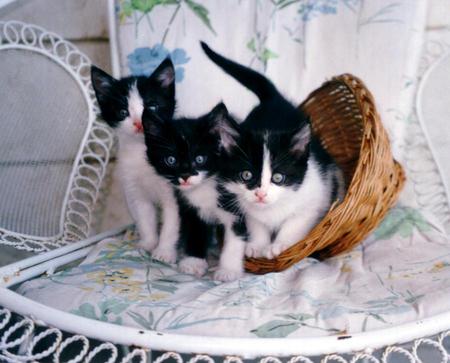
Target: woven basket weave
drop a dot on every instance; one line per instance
(344, 117)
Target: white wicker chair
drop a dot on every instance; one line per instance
(30, 331)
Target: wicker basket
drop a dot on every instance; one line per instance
(344, 117)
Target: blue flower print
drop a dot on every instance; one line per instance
(143, 61)
(311, 8)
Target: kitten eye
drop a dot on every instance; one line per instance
(170, 160)
(246, 175)
(278, 178)
(123, 113)
(200, 159)
(153, 107)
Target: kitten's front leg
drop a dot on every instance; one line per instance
(197, 237)
(291, 231)
(259, 238)
(231, 263)
(145, 216)
(170, 230)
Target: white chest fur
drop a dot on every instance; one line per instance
(137, 176)
(204, 197)
(144, 189)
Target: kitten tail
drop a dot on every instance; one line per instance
(251, 79)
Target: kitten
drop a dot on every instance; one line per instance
(185, 151)
(122, 103)
(274, 167)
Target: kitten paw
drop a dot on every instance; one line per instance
(275, 250)
(226, 275)
(193, 266)
(148, 244)
(253, 250)
(165, 255)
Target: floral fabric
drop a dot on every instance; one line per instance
(298, 44)
(400, 274)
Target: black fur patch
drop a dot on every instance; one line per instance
(197, 235)
(228, 202)
(240, 228)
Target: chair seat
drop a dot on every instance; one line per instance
(400, 274)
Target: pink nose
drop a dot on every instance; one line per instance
(184, 180)
(261, 194)
(138, 125)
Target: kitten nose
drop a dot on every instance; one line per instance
(185, 177)
(261, 194)
(138, 125)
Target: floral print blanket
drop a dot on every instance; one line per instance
(400, 274)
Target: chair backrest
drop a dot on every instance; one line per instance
(53, 151)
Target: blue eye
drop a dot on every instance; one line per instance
(246, 175)
(153, 107)
(123, 113)
(170, 160)
(278, 178)
(200, 159)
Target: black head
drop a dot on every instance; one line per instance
(263, 165)
(184, 150)
(123, 101)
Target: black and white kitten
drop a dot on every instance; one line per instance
(122, 103)
(185, 151)
(274, 167)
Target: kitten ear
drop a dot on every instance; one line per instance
(102, 83)
(165, 74)
(152, 124)
(224, 127)
(218, 113)
(301, 139)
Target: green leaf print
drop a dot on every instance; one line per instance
(126, 10)
(252, 45)
(144, 6)
(275, 329)
(257, 45)
(112, 306)
(377, 317)
(402, 221)
(127, 7)
(268, 54)
(105, 309)
(297, 317)
(87, 310)
(285, 4)
(141, 320)
(201, 12)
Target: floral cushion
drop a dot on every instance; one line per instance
(400, 274)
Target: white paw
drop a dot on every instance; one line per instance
(165, 254)
(253, 250)
(223, 274)
(148, 244)
(193, 266)
(275, 250)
